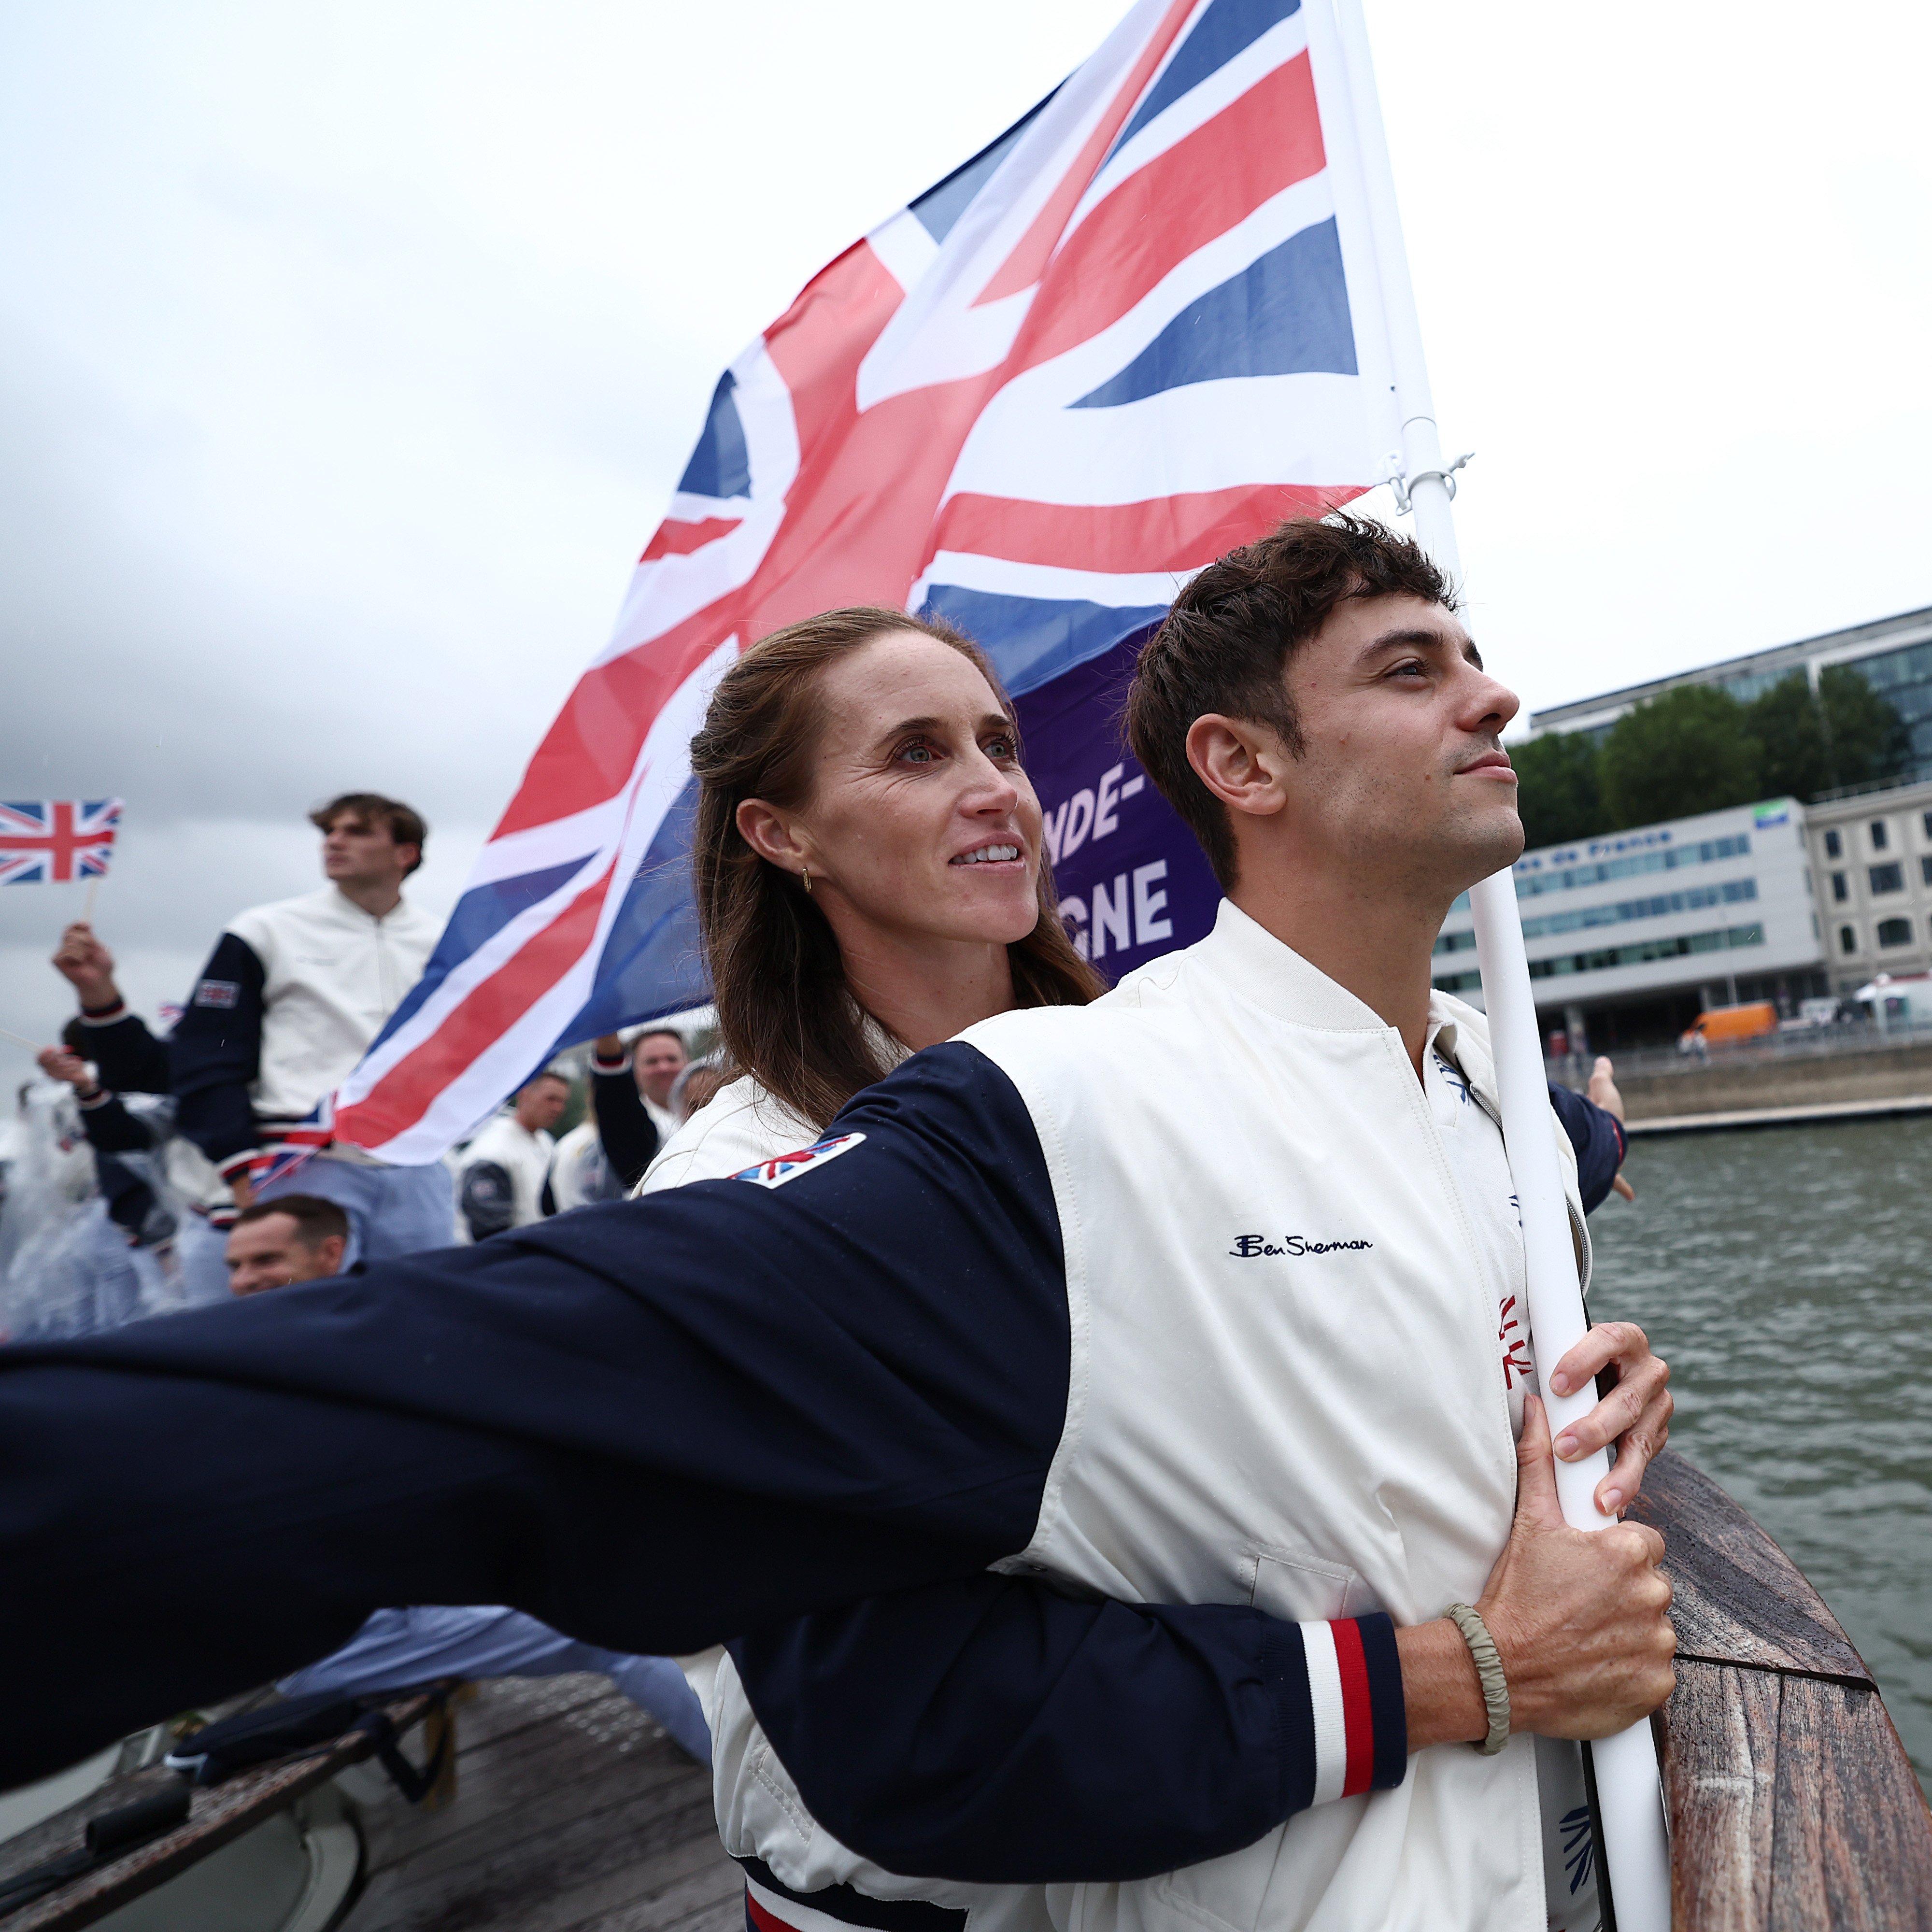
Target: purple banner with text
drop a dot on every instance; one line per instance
(1133, 882)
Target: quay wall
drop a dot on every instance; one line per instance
(1891, 1074)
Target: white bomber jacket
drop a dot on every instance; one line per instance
(291, 997)
(1285, 1391)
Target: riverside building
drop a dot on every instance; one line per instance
(1626, 946)
(1871, 861)
(1632, 935)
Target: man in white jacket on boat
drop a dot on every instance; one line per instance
(505, 1179)
(1295, 1058)
(292, 996)
(1191, 1298)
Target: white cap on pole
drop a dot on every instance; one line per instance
(1632, 1838)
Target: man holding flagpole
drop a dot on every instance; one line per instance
(1287, 710)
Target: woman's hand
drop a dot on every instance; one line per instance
(1603, 1091)
(1634, 1413)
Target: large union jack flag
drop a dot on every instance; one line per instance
(1139, 328)
(55, 841)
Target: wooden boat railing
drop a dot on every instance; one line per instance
(1792, 1804)
(217, 1817)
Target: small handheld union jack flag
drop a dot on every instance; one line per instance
(55, 841)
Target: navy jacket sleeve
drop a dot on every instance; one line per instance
(131, 1060)
(130, 1200)
(652, 1424)
(1598, 1137)
(216, 1051)
(992, 1731)
(629, 1134)
(110, 1128)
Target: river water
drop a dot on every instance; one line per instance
(1785, 1275)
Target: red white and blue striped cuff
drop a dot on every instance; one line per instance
(234, 1166)
(1355, 1703)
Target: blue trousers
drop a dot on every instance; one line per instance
(391, 1210)
(204, 1267)
(397, 1649)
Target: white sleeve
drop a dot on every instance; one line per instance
(743, 1126)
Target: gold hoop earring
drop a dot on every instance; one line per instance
(804, 874)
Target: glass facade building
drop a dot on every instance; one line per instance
(1894, 655)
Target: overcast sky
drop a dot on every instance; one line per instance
(349, 353)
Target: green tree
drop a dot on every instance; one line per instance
(1689, 750)
(1789, 723)
(1557, 791)
(1845, 734)
(1868, 738)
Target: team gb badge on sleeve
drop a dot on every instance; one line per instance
(784, 1167)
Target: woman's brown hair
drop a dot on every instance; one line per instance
(777, 976)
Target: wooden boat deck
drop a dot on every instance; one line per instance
(573, 1812)
(1793, 1807)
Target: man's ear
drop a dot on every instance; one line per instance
(771, 835)
(1241, 762)
(328, 1252)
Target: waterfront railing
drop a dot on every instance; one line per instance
(1796, 1043)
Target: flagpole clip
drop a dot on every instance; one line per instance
(1402, 485)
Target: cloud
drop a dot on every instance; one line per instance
(346, 360)
(347, 357)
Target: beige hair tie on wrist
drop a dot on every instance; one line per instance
(1489, 1670)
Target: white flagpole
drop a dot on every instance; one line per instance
(1631, 1835)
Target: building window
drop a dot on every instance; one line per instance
(1886, 878)
(1528, 884)
(1733, 892)
(1643, 951)
(1925, 870)
(1894, 932)
(1879, 834)
(1928, 825)
(1834, 846)
(1840, 892)
(1848, 940)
